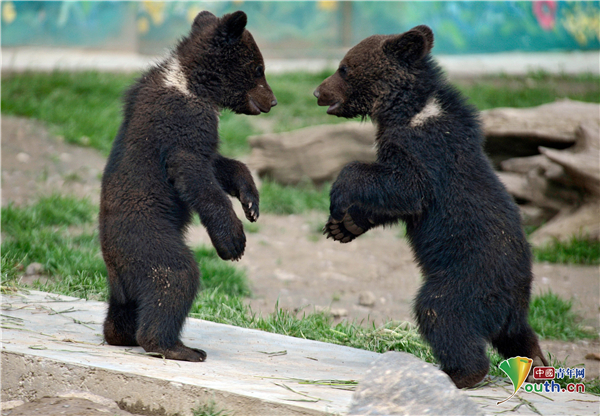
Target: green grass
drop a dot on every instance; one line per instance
(60, 232)
(575, 251)
(553, 318)
(234, 130)
(251, 227)
(220, 275)
(85, 107)
(284, 200)
(209, 409)
(44, 233)
(534, 89)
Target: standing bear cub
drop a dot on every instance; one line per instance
(164, 165)
(432, 174)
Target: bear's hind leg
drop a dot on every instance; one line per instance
(121, 323)
(461, 354)
(164, 306)
(453, 337)
(522, 342)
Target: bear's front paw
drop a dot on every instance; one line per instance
(343, 231)
(230, 242)
(338, 206)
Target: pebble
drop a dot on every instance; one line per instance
(33, 269)
(366, 298)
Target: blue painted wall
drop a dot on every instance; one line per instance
(309, 29)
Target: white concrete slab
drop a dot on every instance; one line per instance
(68, 330)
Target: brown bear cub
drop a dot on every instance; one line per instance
(431, 173)
(164, 165)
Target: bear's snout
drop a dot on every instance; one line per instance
(331, 93)
(261, 99)
(324, 98)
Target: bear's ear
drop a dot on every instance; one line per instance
(233, 25)
(411, 46)
(203, 19)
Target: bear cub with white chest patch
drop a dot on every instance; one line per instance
(431, 173)
(164, 165)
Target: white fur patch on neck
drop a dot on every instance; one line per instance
(431, 109)
(175, 78)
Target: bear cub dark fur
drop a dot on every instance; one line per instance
(164, 165)
(431, 173)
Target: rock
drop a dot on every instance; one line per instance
(284, 275)
(524, 165)
(581, 162)
(34, 269)
(593, 356)
(11, 404)
(366, 298)
(534, 187)
(65, 157)
(85, 395)
(582, 222)
(516, 184)
(317, 153)
(564, 185)
(23, 157)
(400, 384)
(339, 312)
(535, 216)
(334, 312)
(517, 132)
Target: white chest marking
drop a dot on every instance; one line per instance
(431, 109)
(175, 78)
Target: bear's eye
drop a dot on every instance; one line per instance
(259, 72)
(343, 70)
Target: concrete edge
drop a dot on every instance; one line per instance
(29, 377)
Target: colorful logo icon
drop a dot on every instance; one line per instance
(517, 369)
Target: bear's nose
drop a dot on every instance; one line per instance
(274, 102)
(317, 93)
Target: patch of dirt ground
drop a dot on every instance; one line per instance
(287, 260)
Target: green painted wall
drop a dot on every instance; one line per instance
(309, 29)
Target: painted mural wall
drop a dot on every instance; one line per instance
(309, 28)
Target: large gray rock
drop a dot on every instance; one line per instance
(317, 153)
(564, 181)
(400, 384)
(517, 132)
